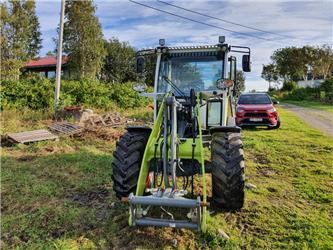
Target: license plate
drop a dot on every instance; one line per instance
(256, 119)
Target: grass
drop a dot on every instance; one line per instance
(58, 195)
(312, 104)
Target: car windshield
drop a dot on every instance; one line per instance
(199, 73)
(254, 99)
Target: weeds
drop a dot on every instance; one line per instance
(58, 195)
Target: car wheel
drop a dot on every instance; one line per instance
(277, 125)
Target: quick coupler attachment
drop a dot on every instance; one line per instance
(163, 201)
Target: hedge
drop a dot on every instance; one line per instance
(38, 93)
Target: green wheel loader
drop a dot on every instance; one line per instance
(161, 170)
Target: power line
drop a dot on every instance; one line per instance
(196, 21)
(224, 20)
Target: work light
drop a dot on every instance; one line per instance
(221, 39)
(162, 42)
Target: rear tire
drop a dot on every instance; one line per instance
(227, 170)
(127, 162)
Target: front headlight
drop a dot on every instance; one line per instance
(271, 110)
(240, 110)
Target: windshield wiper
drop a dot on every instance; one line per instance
(180, 92)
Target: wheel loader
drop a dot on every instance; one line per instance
(161, 171)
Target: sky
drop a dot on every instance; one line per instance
(304, 22)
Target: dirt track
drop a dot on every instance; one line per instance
(319, 119)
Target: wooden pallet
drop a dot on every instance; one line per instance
(108, 120)
(31, 136)
(66, 128)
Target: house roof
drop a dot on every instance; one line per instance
(45, 62)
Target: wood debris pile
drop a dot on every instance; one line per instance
(66, 128)
(108, 120)
(91, 123)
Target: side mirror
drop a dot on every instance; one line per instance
(140, 87)
(140, 65)
(246, 64)
(275, 102)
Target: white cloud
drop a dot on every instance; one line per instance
(309, 21)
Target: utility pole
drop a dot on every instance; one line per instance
(59, 56)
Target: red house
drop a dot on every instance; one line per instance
(46, 66)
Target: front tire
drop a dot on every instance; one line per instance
(127, 162)
(227, 170)
(278, 124)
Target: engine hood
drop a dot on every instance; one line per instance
(255, 106)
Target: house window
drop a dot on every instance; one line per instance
(51, 74)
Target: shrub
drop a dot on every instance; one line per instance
(33, 92)
(327, 87)
(126, 97)
(307, 93)
(86, 92)
(289, 86)
(37, 92)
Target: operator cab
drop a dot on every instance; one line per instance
(199, 71)
(208, 70)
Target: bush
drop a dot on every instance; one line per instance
(87, 92)
(37, 92)
(126, 97)
(327, 87)
(289, 86)
(300, 94)
(33, 92)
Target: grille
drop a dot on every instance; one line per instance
(264, 121)
(251, 114)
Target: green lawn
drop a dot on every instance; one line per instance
(58, 195)
(312, 104)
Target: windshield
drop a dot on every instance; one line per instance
(199, 73)
(254, 99)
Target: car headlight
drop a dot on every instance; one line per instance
(239, 110)
(271, 110)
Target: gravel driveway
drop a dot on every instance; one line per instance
(319, 119)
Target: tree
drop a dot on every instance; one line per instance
(289, 63)
(119, 62)
(240, 83)
(323, 62)
(50, 53)
(83, 38)
(270, 74)
(20, 36)
(293, 64)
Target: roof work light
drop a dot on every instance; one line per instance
(162, 42)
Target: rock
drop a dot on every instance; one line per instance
(84, 116)
(223, 234)
(250, 186)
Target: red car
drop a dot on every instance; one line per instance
(256, 109)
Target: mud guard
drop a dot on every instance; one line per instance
(138, 128)
(225, 129)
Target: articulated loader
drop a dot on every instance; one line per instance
(161, 171)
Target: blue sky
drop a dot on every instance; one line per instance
(308, 21)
